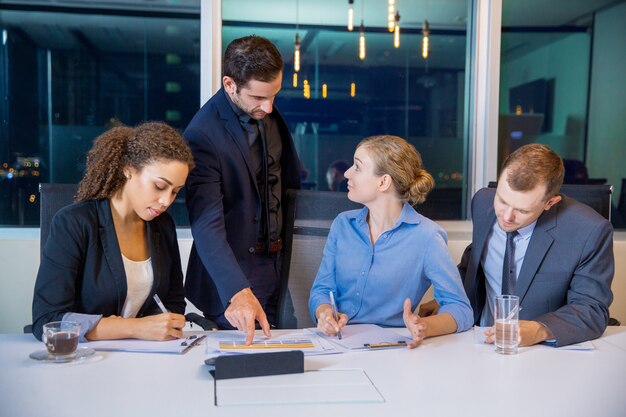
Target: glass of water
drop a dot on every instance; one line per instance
(507, 324)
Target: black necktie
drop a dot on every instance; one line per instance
(252, 129)
(256, 132)
(508, 266)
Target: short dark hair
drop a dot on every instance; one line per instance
(532, 165)
(252, 57)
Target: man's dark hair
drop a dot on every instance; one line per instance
(252, 57)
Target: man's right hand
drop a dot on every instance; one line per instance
(243, 311)
(429, 308)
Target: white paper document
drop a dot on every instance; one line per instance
(146, 346)
(365, 336)
(235, 343)
(311, 387)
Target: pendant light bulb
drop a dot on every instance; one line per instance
(350, 15)
(396, 32)
(425, 41)
(391, 9)
(362, 42)
(296, 55)
(306, 89)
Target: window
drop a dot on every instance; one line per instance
(560, 85)
(393, 91)
(69, 73)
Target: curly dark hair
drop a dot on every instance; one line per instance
(133, 147)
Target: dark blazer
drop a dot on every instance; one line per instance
(224, 203)
(566, 275)
(82, 269)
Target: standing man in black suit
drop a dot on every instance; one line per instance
(236, 195)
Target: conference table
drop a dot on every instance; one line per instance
(445, 376)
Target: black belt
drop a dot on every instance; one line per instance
(275, 246)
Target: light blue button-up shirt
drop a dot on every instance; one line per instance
(371, 282)
(493, 259)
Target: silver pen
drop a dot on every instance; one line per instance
(335, 313)
(160, 303)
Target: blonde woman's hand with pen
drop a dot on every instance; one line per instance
(326, 322)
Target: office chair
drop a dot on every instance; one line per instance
(308, 220)
(52, 198)
(621, 204)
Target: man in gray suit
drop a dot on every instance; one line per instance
(559, 250)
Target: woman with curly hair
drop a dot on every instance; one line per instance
(109, 253)
(380, 260)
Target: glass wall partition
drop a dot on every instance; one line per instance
(71, 70)
(562, 84)
(338, 98)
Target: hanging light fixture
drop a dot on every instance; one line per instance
(362, 42)
(350, 15)
(296, 52)
(425, 34)
(306, 89)
(391, 8)
(324, 90)
(352, 89)
(396, 32)
(295, 79)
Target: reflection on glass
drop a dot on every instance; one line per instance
(79, 74)
(341, 99)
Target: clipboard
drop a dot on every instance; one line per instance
(177, 346)
(368, 337)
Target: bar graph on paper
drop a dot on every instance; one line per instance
(299, 343)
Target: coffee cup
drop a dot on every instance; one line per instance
(61, 338)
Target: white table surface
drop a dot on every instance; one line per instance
(446, 376)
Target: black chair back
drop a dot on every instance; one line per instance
(53, 197)
(596, 196)
(309, 216)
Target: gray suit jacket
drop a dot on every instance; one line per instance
(565, 279)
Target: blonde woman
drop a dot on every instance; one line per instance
(380, 260)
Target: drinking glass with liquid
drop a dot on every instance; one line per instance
(61, 338)
(507, 324)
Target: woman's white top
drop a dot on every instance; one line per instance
(139, 278)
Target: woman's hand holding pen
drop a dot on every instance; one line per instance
(415, 324)
(164, 326)
(326, 322)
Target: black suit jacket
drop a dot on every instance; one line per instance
(566, 275)
(82, 269)
(224, 203)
